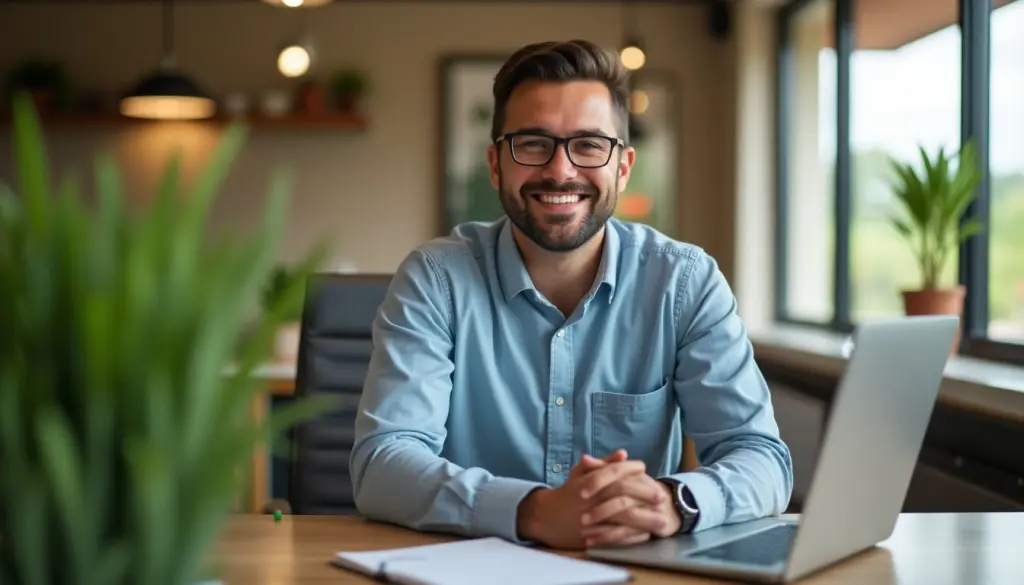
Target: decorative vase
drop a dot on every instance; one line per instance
(944, 301)
(286, 343)
(313, 98)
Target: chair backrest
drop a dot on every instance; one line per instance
(334, 352)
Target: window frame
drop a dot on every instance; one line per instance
(975, 24)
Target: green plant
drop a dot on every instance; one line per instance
(349, 81)
(40, 75)
(933, 203)
(275, 292)
(124, 420)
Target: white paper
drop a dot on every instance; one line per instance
(490, 561)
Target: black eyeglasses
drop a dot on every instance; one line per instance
(589, 151)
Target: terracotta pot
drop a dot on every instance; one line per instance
(348, 102)
(937, 302)
(43, 100)
(314, 99)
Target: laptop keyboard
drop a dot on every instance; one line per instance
(761, 548)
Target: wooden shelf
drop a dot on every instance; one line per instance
(334, 121)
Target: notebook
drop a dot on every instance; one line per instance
(492, 560)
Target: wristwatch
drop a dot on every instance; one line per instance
(684, 502)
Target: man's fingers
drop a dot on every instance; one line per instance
(611, 535)
(589, 463)
(615, 456)
(641, 518)
(607, 509)
(640, 486)
(586, 465)
(607, 475)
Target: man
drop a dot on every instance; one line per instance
(532, 378)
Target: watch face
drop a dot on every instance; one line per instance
(686, 499)
(682, 499)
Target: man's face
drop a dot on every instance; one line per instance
(560, 205)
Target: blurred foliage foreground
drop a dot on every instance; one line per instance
(124, 434)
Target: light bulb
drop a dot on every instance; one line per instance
(292, 3)
(638, 101)
(293, 61)
(633, 57)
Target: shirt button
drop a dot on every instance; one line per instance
(557, 468)
(561, 333)
(559, 401)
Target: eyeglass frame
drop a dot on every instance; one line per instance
(562, 141)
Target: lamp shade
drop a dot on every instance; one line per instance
(297, 3)
(167, 95)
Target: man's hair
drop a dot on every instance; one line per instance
(561, 61)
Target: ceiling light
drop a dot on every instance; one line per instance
(633, 56)
(167, 94)
(297, 3)
(294, 60)
(638, 101)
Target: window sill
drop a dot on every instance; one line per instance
(983, 386)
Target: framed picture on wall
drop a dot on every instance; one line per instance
(466, 102)
(466, 83)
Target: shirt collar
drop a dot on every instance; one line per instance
(515, 279)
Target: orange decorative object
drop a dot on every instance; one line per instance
(635, 206)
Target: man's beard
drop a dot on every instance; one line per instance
(551, 231)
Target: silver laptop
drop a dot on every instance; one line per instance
(876, 427)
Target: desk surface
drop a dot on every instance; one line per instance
(925, 549)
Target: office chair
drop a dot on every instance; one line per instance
(335, 345)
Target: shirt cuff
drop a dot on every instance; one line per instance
(708, 496)
(497, 507)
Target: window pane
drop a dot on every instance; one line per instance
(650, 195)
(1006, 161)
(905, 94)
(810, 159)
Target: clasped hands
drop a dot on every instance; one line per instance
(605, 502)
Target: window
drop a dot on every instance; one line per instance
(1006, 164)
(905, 94)
(809, 180)
(648, 197)
(866, 83)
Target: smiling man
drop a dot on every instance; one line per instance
(532, 378)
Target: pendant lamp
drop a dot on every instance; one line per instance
(297, 3)
(167, 94)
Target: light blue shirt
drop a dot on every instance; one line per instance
(480, 390)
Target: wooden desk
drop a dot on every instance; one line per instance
(926, 549)
(279, 377)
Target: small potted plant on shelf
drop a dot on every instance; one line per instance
(932, 202)
(286, 338)
(46, 82)
(125, 411)
(347, 89)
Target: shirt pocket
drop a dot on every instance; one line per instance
(639, 423)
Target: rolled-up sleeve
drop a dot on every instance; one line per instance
(745, 468)
(397, 472)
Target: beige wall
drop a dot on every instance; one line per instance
(374, 194)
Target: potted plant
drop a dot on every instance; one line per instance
(45, 81)
(125, 425)
(286, 344)
(347, 87)
(932, 202)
